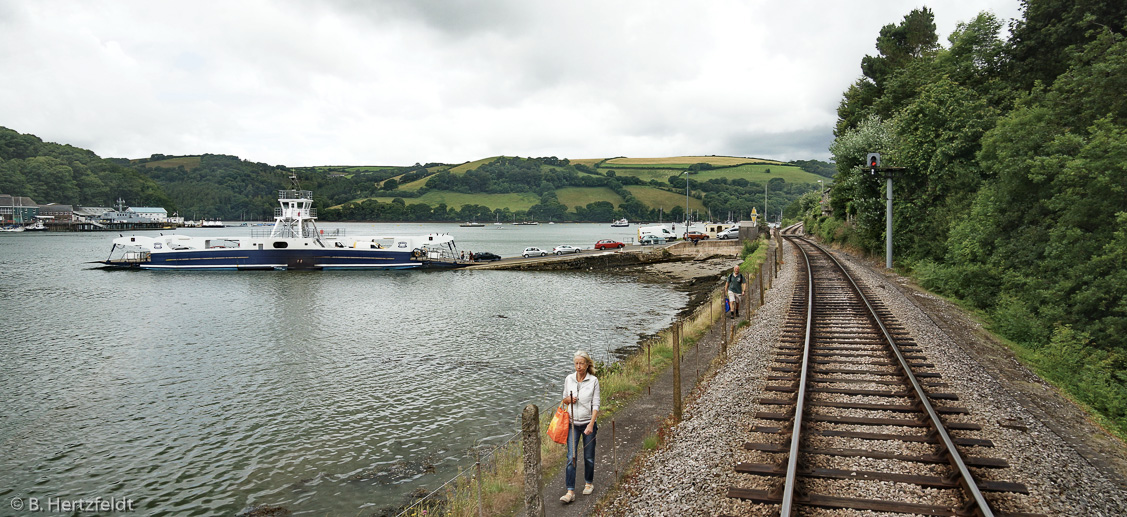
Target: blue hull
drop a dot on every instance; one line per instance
(285, 259)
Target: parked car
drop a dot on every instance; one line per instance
(695, 236)
(608, 243)
(564, 248)
(531, 252)
(651, 239)
(485, 256)
(730, 233)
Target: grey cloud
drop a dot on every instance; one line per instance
(803, 144)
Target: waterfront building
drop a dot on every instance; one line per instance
(155, 214)
(58, 213)
(17, 209)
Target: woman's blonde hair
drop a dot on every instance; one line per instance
(586, 357)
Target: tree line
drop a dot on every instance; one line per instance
(1013, 194)
(213, 186)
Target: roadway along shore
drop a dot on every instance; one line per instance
(633, 255)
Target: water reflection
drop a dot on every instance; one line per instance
(326, 392)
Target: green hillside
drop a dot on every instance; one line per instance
(547, 188)
(572, 197)
(456, 200)
(664, 199)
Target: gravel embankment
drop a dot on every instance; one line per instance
(691, 473)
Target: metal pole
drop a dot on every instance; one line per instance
(888, 225)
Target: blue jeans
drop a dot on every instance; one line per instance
(573, 435)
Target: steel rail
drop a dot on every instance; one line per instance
(799, 408)
(970, 486)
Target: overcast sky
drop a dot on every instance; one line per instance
(394, 82)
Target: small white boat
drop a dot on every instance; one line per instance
(37, 226)
(621, 223)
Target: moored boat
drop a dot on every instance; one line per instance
(293, 243)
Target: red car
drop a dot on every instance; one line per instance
(695, 236)
(607, 243)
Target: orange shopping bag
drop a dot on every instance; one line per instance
(557, 430)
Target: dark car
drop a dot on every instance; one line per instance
(485, 256)
(607, 243)
(695, 236)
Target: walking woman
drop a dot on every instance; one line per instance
(581, 396)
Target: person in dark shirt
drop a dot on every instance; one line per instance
(737, 287)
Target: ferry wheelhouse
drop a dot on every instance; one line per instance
(294, 242)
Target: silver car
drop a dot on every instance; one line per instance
(532, 252)
(564, 248)
(730, 233)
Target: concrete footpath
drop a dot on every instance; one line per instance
(640, 418)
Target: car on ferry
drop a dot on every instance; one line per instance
(485, 256)
(608, 243)
(533, 252)
(564, 248)
(695, 236)
(651, 239)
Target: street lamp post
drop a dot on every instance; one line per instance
(686, 174)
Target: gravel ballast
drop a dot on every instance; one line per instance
(1070, 468)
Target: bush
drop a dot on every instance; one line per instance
(749, 247)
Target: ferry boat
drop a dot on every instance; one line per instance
(621, 223)
(294, 243)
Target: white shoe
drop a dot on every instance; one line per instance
(568, 497)
(588, 489)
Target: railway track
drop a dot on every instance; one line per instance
(856, 418)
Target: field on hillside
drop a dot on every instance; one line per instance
(750, 172)
(455, 200)
(189, 163)
(590, 162)
(572, 197)
(657, 198)
(685, 161)
(461, 169)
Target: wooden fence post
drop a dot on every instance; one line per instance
(530, 436)
(677, 375)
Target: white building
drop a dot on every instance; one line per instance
(156, 214)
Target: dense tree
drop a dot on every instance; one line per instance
(1012, 196)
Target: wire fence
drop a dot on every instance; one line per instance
(437, 495)
(482, 459)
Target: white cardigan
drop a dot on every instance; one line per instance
(588, 391)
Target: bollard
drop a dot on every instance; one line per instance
(530, 436)
(676, 377)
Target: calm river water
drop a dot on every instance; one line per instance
(331, 393)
